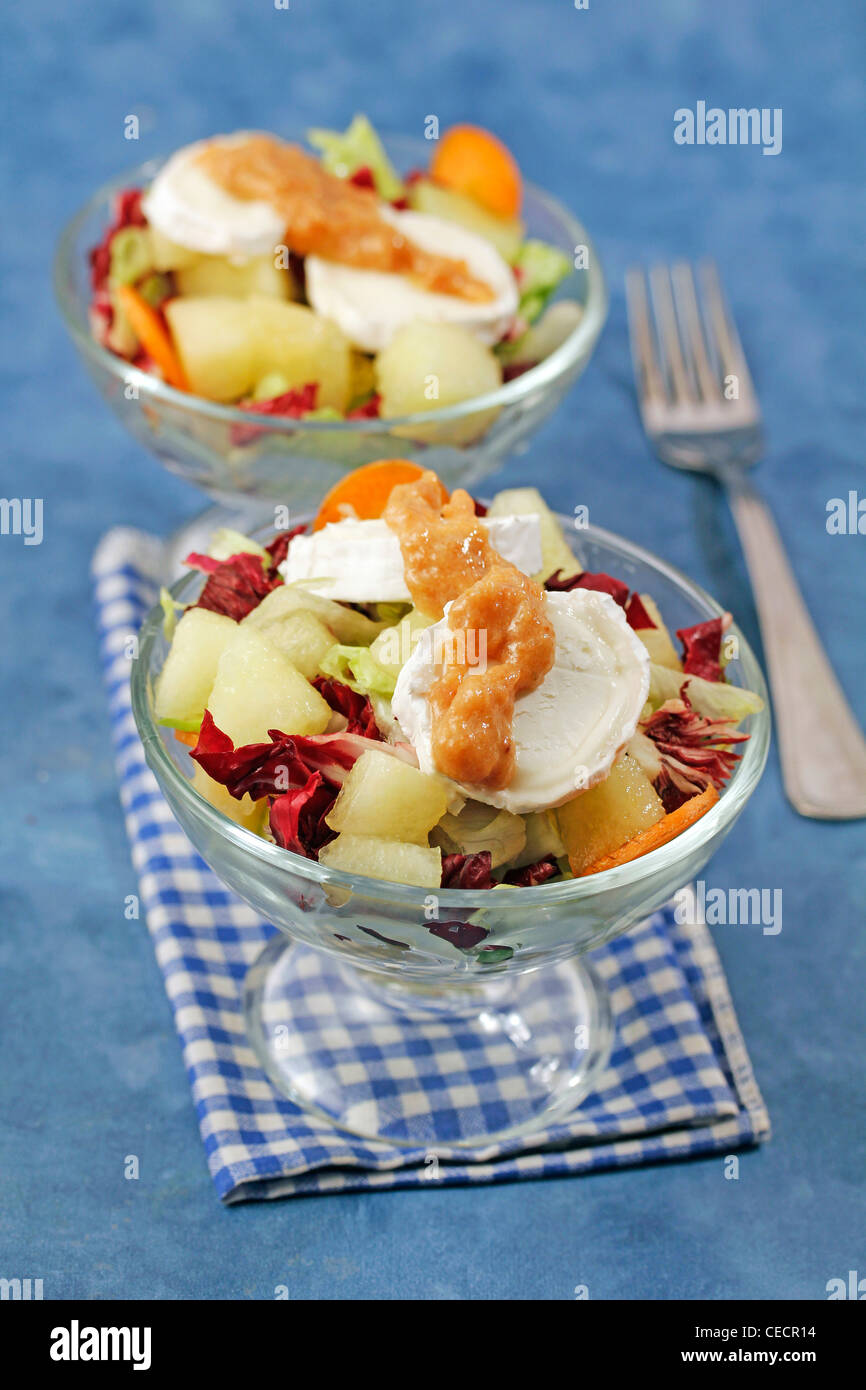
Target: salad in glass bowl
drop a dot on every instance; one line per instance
(449, 699)
(267, 316)
(426, 737)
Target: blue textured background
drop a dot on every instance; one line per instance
(91, 1069)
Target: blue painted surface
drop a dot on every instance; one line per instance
(91, 1068)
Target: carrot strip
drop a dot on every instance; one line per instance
(148, 327)
(189, 737)
(365, 492)
(668, 828)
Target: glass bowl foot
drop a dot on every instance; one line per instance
(451, 1066)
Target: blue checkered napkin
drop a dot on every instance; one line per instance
(679, 1083)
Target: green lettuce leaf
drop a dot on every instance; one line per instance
(359, 669)
(713, 699)
(345, 152)
(542, 268)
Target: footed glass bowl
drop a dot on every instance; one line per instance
(233, 455)
(405, 970)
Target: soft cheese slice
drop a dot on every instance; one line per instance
(570, 730)
(189, 208)
(370, 305)
(361, 562)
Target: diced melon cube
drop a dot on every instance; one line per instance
(387, 859)
(505, 233)
(302, 638)
(216, 341)
(555, 552)
(657, 640)
(349, 626)
(246, 812)
(168, 255)
(427, 366)
(303, 347)
(387, 798)
(257, 688)
(190, 668)
(598, 821)
(217, 275)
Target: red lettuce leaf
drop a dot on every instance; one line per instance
(297, 818)
(363, 178)
(464, 935)
(279, 546)
(370, 409)
(600, 583)
(531, 874)
(235, 586)
(467, 870)
(291, 405)
(636, 615)
(286, 762)
(702, 647)
(695, 751)
(357, 708)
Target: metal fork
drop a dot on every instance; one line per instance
(700, 411)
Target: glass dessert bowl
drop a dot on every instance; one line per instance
(498, 974)
(239, 457)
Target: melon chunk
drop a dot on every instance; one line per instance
(257, 688)
(216, 343)
(190, 668)
(596, 822)
(217, 275)
(388, 799)
(388, 859)
(226, 345)
(302, 347)
(657, 640)
(505, 233)
(350, 627)
(302, 638)
(252, 815)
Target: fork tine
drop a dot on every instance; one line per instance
(723, 333)
(686, 302)
(669, 335)
(651, 386)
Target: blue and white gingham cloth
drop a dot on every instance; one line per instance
(679, 1082)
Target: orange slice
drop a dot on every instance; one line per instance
(668, 828)
(364, 493)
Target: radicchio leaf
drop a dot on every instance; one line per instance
(532, 874)
(369, 409)
(694, 750)
(291, 405)
(464, 935)
(235, 586)
(297, 818)
(636, 615)
(356, 708)
(601, 583)
(286, 762)
(278, 549)
(702, 647)
(467, 870)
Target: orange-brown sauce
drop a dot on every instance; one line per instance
(448, 558)
(327, 216)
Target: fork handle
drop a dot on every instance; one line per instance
(822, 749)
